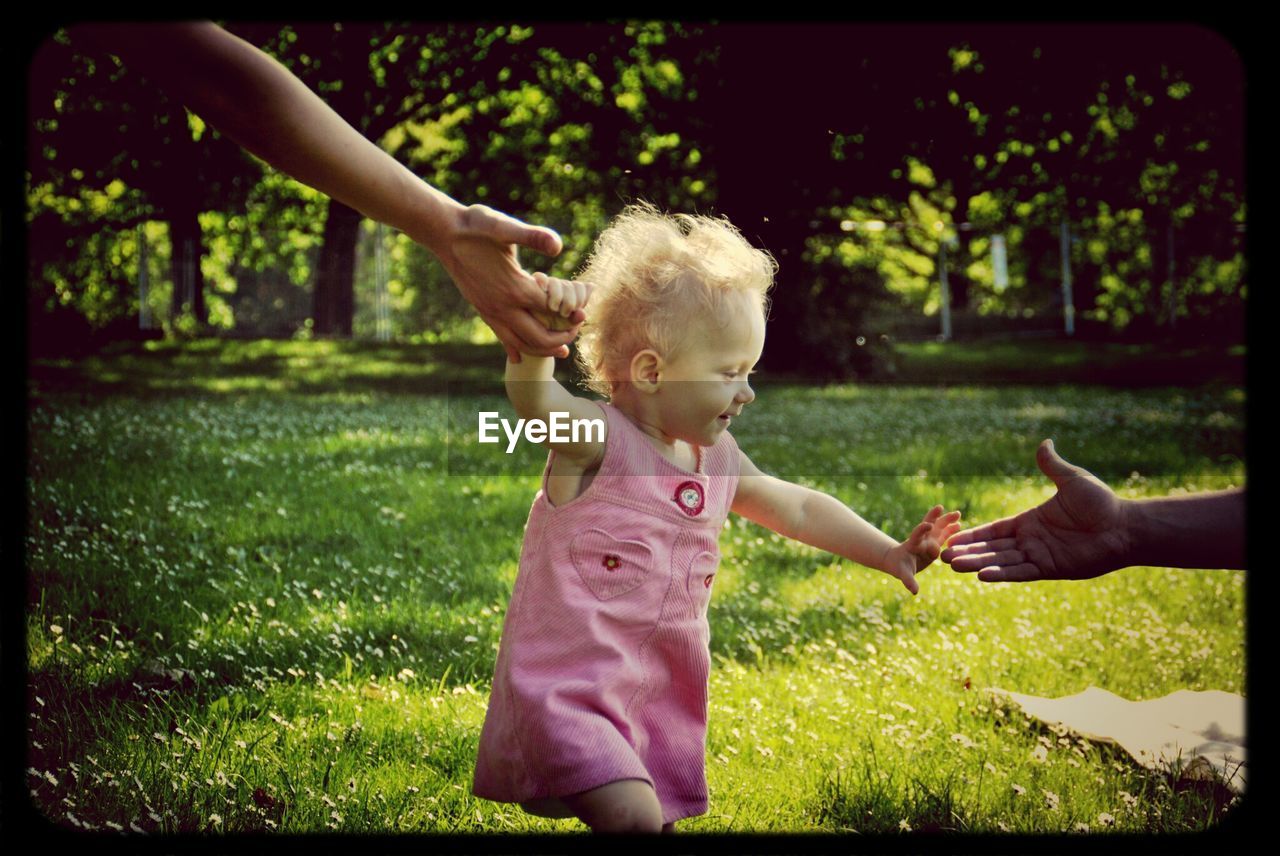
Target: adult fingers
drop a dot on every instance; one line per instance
(508, 339)
(532, 337)
(973, 557)
(1054, 465)
(539, 239)
(995, 559)
(1022, 573)
(506, 229)
(1004, 528)
(525, 291)
(989, 546)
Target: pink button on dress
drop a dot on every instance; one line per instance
(602, 669)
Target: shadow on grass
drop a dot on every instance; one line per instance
(1066, 361)
(228, 366)
(221, 367)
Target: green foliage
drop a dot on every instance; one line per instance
(93, 274)
(1136, 142)
(551, 128)
(261, 259)
(1119, 270)
(564, 123)
(109, 151)
(555, 150)
(422, 300)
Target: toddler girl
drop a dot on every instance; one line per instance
(599, 703)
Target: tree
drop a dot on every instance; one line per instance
(1127, 132)
(812, 119)
(107, 149)
(379, 76)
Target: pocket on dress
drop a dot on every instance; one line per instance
(702, 574)
(610, 566)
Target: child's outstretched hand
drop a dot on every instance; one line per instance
(564, 297)
(922, 546)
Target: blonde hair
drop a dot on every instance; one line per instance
(652, 274)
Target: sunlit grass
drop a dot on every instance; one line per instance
(276, 607)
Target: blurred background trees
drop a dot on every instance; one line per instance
(864, 156)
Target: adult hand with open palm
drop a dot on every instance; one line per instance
(1071, 536)
(1085, 531)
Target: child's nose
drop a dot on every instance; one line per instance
(746, 395)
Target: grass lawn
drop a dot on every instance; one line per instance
(266, 583)
(1068, 361)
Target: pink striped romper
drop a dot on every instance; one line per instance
(602, 669)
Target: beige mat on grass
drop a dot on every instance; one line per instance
(1197, 735)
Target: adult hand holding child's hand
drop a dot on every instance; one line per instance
(480, 254)
(566, 300)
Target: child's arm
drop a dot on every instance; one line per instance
(825, 522)
(536, 394)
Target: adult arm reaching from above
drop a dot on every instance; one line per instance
(256, 101)
(1085, 531)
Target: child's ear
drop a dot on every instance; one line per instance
(646, 370)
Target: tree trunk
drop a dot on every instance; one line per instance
(333, 301)
(184, 264)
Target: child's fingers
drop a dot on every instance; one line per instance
(555, 294)
(921, 530)
(933, 514)
(945, 526)
(949, 524)
(578, 293)
(551, 318)
(572, 296)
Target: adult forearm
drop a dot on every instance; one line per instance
(260, 104)
(1197, 531)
